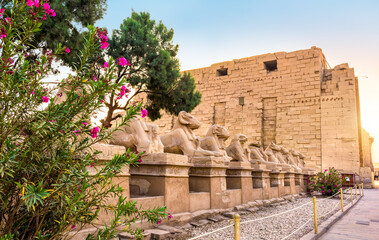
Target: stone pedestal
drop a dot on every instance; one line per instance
(239, 177)
(277, 181)
(299, 182)
(261, 183)
(289, 181)
(208, 174)
(122, 179)
(163, 174)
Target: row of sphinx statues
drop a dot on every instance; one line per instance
(142, 136)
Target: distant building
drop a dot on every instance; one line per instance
(293, 99)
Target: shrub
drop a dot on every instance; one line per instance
(46, 139)
(328, 182)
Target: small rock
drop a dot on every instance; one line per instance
(243, 213)
(239, 208)
(128, 236)
(187, 226)
(157, 234)
(283, 203)
(229, 214)
(216, 218)
(266, 202)
(274, 204)
(252, 204)
(253, 209)
(200, 223)
(274, 200)
(281, 199)
(303, 194)
(170, 229)
(259, 202)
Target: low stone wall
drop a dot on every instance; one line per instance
(201, 186)
(207, 183)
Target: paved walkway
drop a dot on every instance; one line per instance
(361, 222)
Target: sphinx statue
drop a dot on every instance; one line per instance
(259, 156)
(236, 149)
(215, 139)
(138, 135)
(256, 152)
(299, 158)
(273, 152)
(182, 140)
(290, 159)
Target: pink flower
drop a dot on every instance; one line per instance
(85, 124)
(33, 92)
(45, 99)
(67, 50)
(122, 61)
(3, 33)
(36, 3)
(143, 113)
(30, 3)
(52, 13)
(46, 6)
(106, 64)
(61, 131)
(104, 45)
(94, 132)
(52, 121)
(92, 164)
(159, 221)
(2, 10)
(8, 19)
(169, 215)
(94, 78)
(73, 226)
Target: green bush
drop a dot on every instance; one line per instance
(328, 182)
(45, 138)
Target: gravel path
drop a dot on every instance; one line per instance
(277, 227)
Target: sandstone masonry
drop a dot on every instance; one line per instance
(292, 99)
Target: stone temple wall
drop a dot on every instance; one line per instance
(291, 98)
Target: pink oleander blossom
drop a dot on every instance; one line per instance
(3, 33)
(104, 45)
(67, 50)
(143, 113)
(106, 64)
(30, 3)
(46, 6)
(2, 10)
(122, 61)
(45, 99)
(36, 3)
(94, 132)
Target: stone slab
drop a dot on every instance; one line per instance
(158, 234)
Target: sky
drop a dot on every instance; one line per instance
(210, 31)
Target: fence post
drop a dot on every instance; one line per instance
(362, 190)
(237, 232)
(315, 213)
(359, 186)
(341, 200)
(356, 191)
(351, 195)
